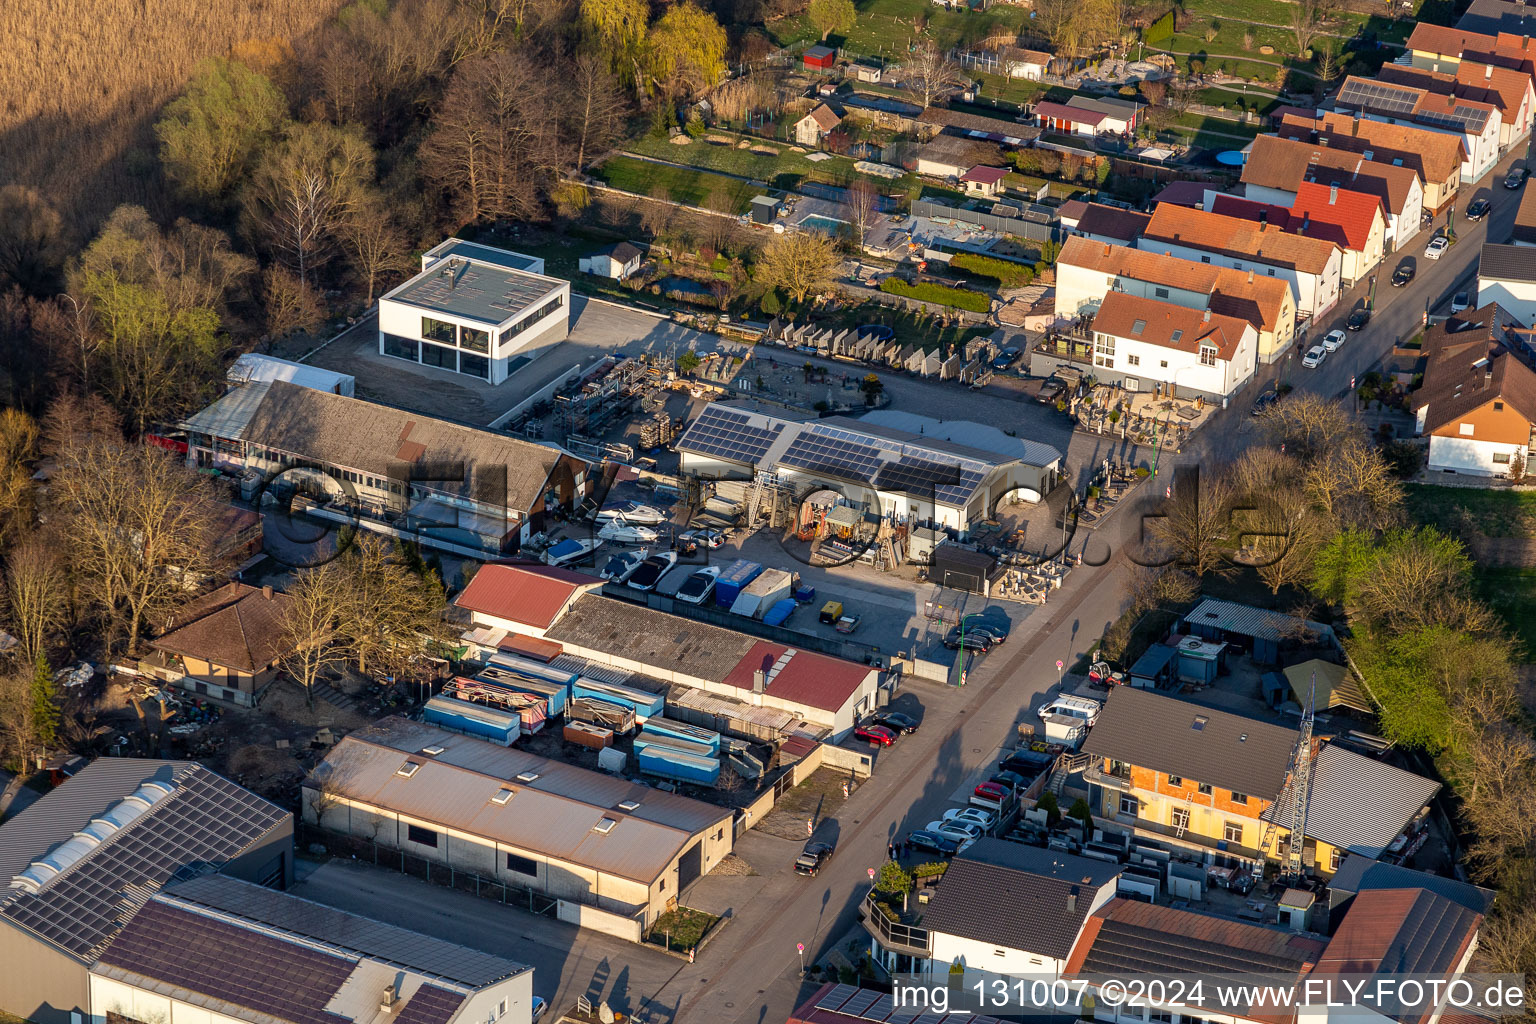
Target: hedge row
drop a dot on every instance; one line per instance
(1008, 275)
(960, 298)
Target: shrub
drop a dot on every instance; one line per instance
(893, 879)
(1142, 472)
(1048, 804)
(1081, 811)
(1006, 274)
(1114, 415)
(942, 295)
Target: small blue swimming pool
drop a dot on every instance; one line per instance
(826, 225)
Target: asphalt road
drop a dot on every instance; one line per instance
(753, 975)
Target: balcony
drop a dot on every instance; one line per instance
(1118, 778)
(894, 928)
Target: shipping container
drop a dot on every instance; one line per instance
(644, 703)
(737, 575)
(530, 708)
(509, 662)
(768, 588)
(585, 734)
(682, 730)
(477, 720)
(668, 763)
(651, 739)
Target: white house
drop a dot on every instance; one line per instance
(1506, 274)
(1087, 271)
(1312, 267)
(811, 128)
(1479, 124)
(985, 182)
(1029, 65)
(1478, 402)
(1277, 167)
(475, 310)
(1354, 221)
(1002, 908)
(616, 261)
(1141, 342)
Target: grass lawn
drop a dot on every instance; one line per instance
(1493, 513)
(685, 925)
(1512, 593)
(886, 27)
(679, 184)
(1007, 90)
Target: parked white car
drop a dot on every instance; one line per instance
(1436, 247)
(959, 831)
(1334, 340)
(1314, 357)
(1071, 706)
(975, 815)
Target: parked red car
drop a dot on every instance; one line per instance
(877, 735)
(991, 790)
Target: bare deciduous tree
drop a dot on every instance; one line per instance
(800, 263)
(1307, 18)
(1195, 521)
(931, 71)
(303, 190)
(34, 589)
(311, 637)
(595, 109)
(863, 204)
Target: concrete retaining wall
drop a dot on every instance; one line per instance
(627, 928)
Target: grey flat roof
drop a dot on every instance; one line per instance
(485, 292)
(978, 440)
(1507, 263)
(229, 416)
(1246, 620)
(652, 637)
(483, 254)
(1194, 742)
(348, 931)
(204, 823)
(554, 813)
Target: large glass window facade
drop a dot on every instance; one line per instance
(437, 330)
(472, 340)
(401, 348)
(436, 355)
(475, 366)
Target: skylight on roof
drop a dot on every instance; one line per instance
(408, 769)
(433, 750)
(629, 805)
(1138, 326)
(1199, 723)
(527, 776)
(605, 826)
(502, 796)
(1177, 335)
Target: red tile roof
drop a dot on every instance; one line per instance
(985, 175)
(1120, 313)
(814, 680)
(1281, 163)
(1435, 155)
(533, 595)
(1446, 41)
(1076, 115)
(1353, 213)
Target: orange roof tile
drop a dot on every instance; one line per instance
(1353, 213)
(1232, 236)
(1257, 298)
(1435, 155)
(1441, 39)
(533, 595)
(1281, 163)
(1169, 326)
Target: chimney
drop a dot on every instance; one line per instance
(1263, 218)
(1333, 194)
(1487, 72)
(1250, 277)
(1354, 128)
(1106, 248)
(1306, 222)
(1072, 900)
(266, 592)
(759, 678)
(1207, 317)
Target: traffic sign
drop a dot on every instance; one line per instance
(800, 947)
(1060, 665)
(871, 874)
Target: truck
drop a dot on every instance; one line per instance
(769, 588)
(730, 582)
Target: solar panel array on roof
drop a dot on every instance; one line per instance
(729, 434)
(207, 822)
(883, 463)
(866, 1004)
(834, 452)
(1377, 97)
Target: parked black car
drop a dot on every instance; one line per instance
(1402, 275)
(969, 640)
(1264, 401)
(813, 857)
(932, 842)
(1358, 319)
(1478, 209)
(894, 721)
(998, 629)
(1515, 178)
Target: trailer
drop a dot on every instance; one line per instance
(651, 739)
(670, 763)
(729, 584)
(661, 726)
(769, 588)
(509, 662)
(557, 694)
(617, 717)
(487, 723)
(643, 703)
